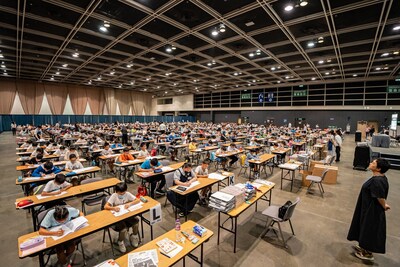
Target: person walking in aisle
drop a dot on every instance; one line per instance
(368, 225)
(338, 143)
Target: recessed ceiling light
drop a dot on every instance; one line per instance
(287, 77)
(129, 66)
(3, 66)
(168, 49)
(112, 72)
(209, 64)
(1, 56)
(313, 79)
(235, 74)
(273, 68)
(145, 89)
(326, 73)
(329, 60)
(65, 65)
(222, 28)
(310, 44)
(355, 75)
(90, 82)
(396, 28)
(386, 68)
(180, 90)
(75, 54)
(103, 29)
(321, 62)
(289, 7)
(132, 83)
(395, 52)
(258, 52)
(278, 82)
(320, 39)
(250, 23)
(52, 78)
(57, 73)
(152, 58)
(378, 68)
(158, 87)
(303, 2)
(251, 55)
(99, 78)
(166, 92)
(384, 54)
(214, 32)
(173, 47)
(106, 24)
(5, 73)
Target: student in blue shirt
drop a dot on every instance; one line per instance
(150, 165)
(45, 169)
(56, 217)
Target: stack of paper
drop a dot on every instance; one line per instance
(237, 192)
(221, 201)
(216, 176)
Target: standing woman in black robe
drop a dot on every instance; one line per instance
(368, 226)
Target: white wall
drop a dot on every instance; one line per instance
(179, 103)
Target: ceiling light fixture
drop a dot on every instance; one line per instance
(329, 60)
(396, 28)
(65, 65)
(168, 49)
(321, 62)
(3, 66)
(106, 24)
(384, 54)
(303, 2)
(90, 82)
(378, 68)
(310, 44)
(112, 72)
(251, 55)
(354, 75)
(222, 28)
(395, 52)
(215, 32)
(278, 81)
(320, 40)
(313, 79)
(289, 7)
(145, 89)
(326, 73)
(258, 52)
(75, 54)
(1, 56)
(103, 29)
(57, 73)
(273, 68)
(129, 65)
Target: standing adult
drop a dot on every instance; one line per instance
(124, 132)
(338, 143)
(14, 128)
(368, 226)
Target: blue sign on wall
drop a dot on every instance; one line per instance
(270, 97)
(261, 98)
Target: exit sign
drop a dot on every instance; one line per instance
(299, 93)
(246, 96)
(393, 89)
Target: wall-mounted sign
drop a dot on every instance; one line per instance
(246, 96)
(393, 89)
(270, 97)
(299, 93)
(260, 97)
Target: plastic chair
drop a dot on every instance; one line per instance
(272, 217)
(169, 181)
(317, 180)
(93, 199)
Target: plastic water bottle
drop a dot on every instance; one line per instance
(178, 234)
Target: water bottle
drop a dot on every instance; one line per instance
(19, 178)
(178, 231)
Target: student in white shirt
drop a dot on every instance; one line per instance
(123, 197)
(56, 186)
(201, 171)
(61, 152)
(110, 161)
(143, 153)
(72, 150)
(73, 164)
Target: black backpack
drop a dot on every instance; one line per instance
(284, 208)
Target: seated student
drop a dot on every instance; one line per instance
(72, 165)
(70, 151)
(192, 145)
(221, 160)
(45, 169)
(56, 217)
(108, 151)
(143, 153)
(116, 145)
(27, 144)
(35, 160)
(123, 197)
(202, 172)
(233, 158)
(33, 146)
(252, 155)
(127, 170)
(39, 150)
(61, 152)
(56, 186)
(150, 165)
(184, 176)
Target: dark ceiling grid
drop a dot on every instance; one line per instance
(379, 31)
(348, 46)
(333, 34)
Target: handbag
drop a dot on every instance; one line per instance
(142, 191)
(284, 208)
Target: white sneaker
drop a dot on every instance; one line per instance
(134, 240)
(121, 246)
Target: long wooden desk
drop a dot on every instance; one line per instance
(96, 222)
(261, 162)
(188, 247)
(25, 168)
(73, 191)
(235, 213)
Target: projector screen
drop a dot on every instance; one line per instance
(393, 124)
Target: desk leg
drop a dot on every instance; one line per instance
(281, 178)
(234, 241)
(41, 260)
(151, 232)
(186, 208)
(219, 226)
(141, 222)
(33, 218)
(270, 197)
(201, 254)
(291, 184)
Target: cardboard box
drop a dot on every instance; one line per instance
(331, 176)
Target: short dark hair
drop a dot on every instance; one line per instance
(206, 161)
(153, 161)
(187, 165)
(60, 213)
(126, 149)
(48, 165)
(39, 156)
(72, 156)
(60, 178)
(72, 147)
(382, 164)
(121, 187)
(106, 144)
(62, 147)
(142, 144)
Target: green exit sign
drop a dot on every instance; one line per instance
(393, 89)
(299, 93)
(246, 96)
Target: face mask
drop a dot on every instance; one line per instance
(121, 196)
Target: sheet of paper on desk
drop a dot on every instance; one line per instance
(288, 166)
(83, 170)
(193, 184)
(240, 185)
(108, 263)
(263, 182)
(121, 211)
(135, 207)
(42, 197)
(134, 161)
(216, 176)
(166, 168)
(32, 178)
(143, 258)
